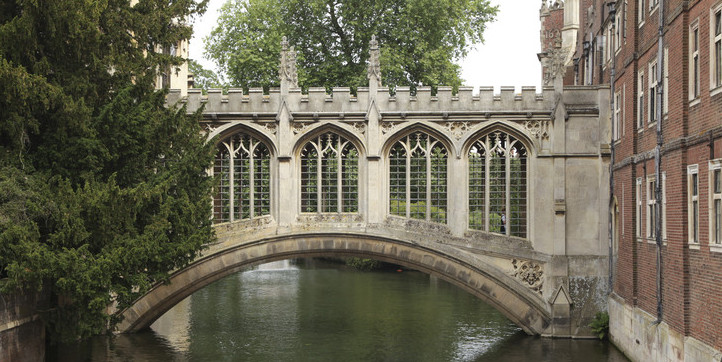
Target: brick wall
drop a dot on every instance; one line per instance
(692, 134)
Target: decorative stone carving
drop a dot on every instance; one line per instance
(458, 129)
(388, 127)
(287, 70)
(300, 127)
(555, 64)
(360, 127)
(374, 70)
(271, 127)
(539, 129)
(529, 273)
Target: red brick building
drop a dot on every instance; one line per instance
(666, 247)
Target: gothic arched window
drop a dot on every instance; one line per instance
(498, 185)
(329, 175)
(417, 178)
(242, 165)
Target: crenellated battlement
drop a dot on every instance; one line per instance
(340, 99)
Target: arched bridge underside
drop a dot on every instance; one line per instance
(479, 272)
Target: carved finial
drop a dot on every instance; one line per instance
(287, 70)
(374, 70)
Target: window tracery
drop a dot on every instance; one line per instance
(242, 166)
(418, 178)
(498, 169)
(329, 175)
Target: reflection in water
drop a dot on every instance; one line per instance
(175, 326)
(320, 312)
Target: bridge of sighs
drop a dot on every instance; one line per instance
(503, 194)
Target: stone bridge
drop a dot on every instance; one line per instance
(504, 195)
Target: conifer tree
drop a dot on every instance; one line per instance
(103, 188)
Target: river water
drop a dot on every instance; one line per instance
(311, 310)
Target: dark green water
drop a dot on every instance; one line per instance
(321, 312)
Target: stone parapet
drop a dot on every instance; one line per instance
(342, 100)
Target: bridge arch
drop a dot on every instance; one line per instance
(519, 304)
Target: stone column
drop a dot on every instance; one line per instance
(288, 206)
(376, 174)
(457, 212)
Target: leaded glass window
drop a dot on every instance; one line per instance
(418, 178)
(498, 185)
(242, 166)
(329, 175)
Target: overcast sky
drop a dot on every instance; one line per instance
(507, 58)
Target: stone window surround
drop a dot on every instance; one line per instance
(618, 121)
(248, 146)
(430, 194)
(640, 101)
(714, 165)
(343, 191)
(663, 211)
(694, 77)
(652, 86)
(511, 222)
(692, 200)
(713, 40)
(651, 203)
(640, 208)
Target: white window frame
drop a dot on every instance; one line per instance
(638, 221)
(664, 207)
(653, 5)
(715, 54)
(665, 84)
(641, 12)
(694, 63)
(715, 203)
(693, 206)
(617, 116)
(617, 33)
(640, 100)
(651, 204)
(624, 23)
(652, 86)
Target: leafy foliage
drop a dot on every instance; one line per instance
(204, 78)
(102, 187)
(420, 40)
(363, 264)
(600, 325)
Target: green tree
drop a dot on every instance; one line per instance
(420, 40)
(102, 187)
(204, 78)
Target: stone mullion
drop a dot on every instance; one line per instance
(428, 184)
(231, 181)
(339, 178)
(252, 183)
(507, 192)
(487, 184)
(319, 182)
(407, 204)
